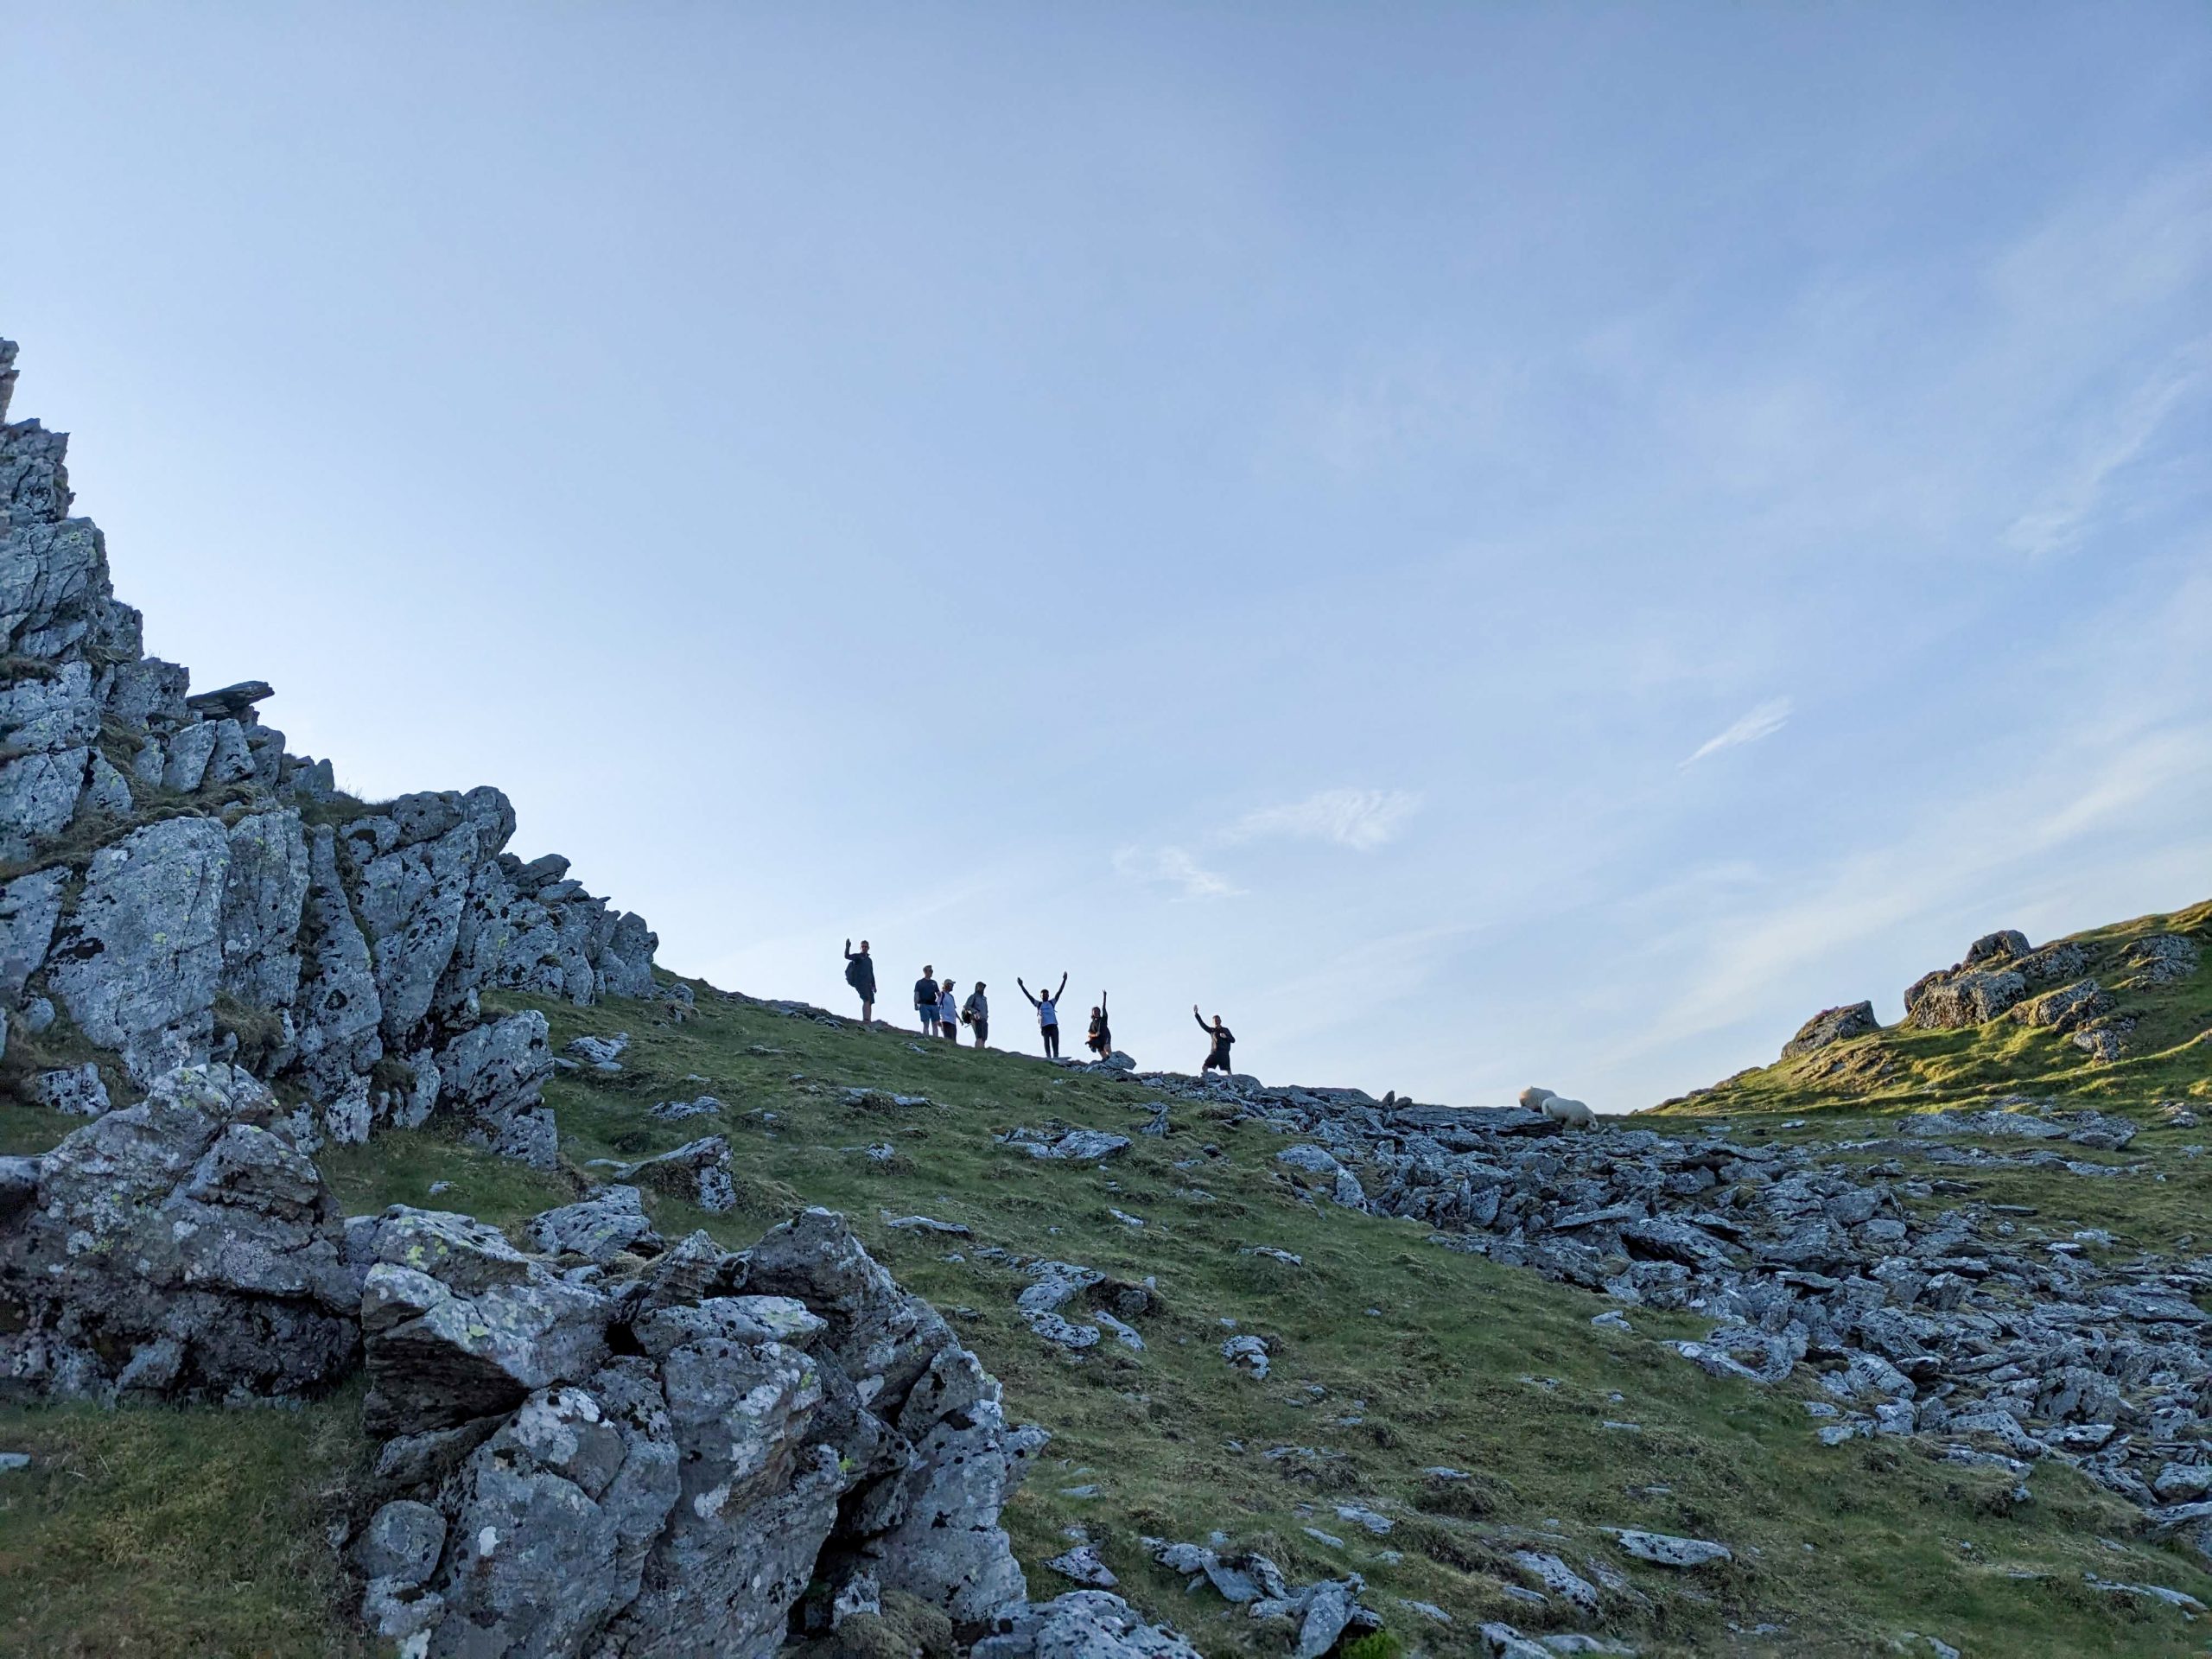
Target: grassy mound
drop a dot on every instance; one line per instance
(1392, 1358)
(2168, 1054)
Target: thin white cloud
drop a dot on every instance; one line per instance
(1174, 869)
(1764, 721)
(2071, 505)
(1362, 819)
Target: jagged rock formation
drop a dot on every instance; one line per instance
(182, 1247)
(666, 1461)
(176, 886)
(624, 1448)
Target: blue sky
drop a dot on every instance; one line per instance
(1487, 545)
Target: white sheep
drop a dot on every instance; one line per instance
(1571, 1114)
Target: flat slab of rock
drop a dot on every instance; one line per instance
(1664, 1549)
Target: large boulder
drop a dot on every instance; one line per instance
(1831, 1025)
(458, 1324)
(818, 1430)
(139, 961)
(183, 1247)
(492, 1074)
(1954, 1000)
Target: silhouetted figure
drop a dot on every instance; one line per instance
(1100, 1042)
(1221, 1036)
(859, 974)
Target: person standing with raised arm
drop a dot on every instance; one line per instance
(1048, 1016)
(1100, 1042)
(1221, 1037)
(859, 974)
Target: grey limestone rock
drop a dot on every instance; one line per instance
(1082, 1625)
(601, 1227)
(2067, 1007)
(457, 1324)
(107, 792)
(1664, 1549)
(76, 1088)
(339, 1013)
(30, 906)
(1831, 1025)
(2162, 958)
(138, 963)
(183, 1247)
(265, 893)
(698, 1170)
(411, 868)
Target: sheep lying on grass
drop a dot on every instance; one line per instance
(1573, 1114)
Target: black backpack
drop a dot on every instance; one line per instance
(855, 970)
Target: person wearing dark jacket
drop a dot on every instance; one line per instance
(1100, 1042)
(925, 999)
(859, 974)
(1048, 1016)
(1221, 1036)
(977, 1011)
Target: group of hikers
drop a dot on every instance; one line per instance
(939, 1006)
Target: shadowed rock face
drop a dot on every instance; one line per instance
(206, 876)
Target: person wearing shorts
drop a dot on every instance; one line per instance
(948, 1013)
(976, 1011)
(1221, 1037)
(925, 999)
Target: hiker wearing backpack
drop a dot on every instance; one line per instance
(1100, 1042)
(1221, 1037)
(859, 974)
(976, 1014)
(925, 999)
(948, 1013)
(1048, 1016)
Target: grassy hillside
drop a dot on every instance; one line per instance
(2169, 1053)
(170, 1532)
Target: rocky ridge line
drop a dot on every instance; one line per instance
(175, 886)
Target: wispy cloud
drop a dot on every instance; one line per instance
(1174, 869)
(2070, 506)
(1764, 721)
(1363, 819)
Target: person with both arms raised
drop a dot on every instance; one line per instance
(1048, 1016)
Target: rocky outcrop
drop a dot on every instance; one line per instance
(670, 1462)
(185, 1246)
(186, 890)
(1942, 1325)
(1831, 1025)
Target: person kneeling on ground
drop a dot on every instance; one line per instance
(1100, 1039)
